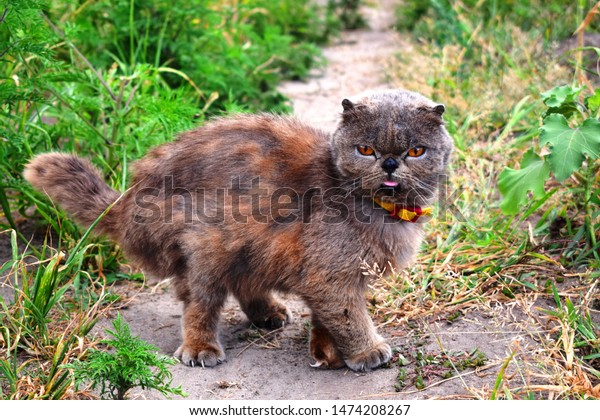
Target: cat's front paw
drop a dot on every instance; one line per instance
(371, 358)
(205, 355)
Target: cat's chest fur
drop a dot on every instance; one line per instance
(368, 237)
(391, 242)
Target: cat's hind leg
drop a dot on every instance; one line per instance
(323, 348)
(263, 309)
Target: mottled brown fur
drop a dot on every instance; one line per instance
(252, 204)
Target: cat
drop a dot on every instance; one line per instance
(251, 204)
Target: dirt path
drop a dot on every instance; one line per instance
(275, 365)
(356, 63)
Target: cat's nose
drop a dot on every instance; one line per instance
(389, 165)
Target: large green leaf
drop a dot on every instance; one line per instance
(569, 146)
(514, 183)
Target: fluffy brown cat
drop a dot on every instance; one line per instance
(252, 204)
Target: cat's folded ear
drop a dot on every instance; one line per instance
(434, 113)
(348, 105)
(352, 110)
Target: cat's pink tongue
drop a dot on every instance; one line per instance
(390, 183)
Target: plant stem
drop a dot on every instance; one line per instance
(4, 15)
(579, 53)
(80, 54)
(589, 179)
(131, 33)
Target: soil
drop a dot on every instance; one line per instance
(273, 365)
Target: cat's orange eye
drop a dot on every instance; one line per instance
(416, 151)
(366, 150)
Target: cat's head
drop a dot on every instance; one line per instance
(394, 142)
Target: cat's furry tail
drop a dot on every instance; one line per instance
(76, 186)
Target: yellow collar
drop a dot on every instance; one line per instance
(409, 214)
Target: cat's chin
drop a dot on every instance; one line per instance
(390, 190)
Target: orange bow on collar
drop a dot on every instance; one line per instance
(406, 213)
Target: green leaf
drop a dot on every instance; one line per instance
(569, 146)
(561, 100)
(514, 183)
(592, 103)
(560, 95)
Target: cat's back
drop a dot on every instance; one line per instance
(280, 150)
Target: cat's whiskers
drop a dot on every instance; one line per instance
(351, 185)
(347, 184)
(411, 178)
(418, 182)
(425, 193)
(359, 182)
